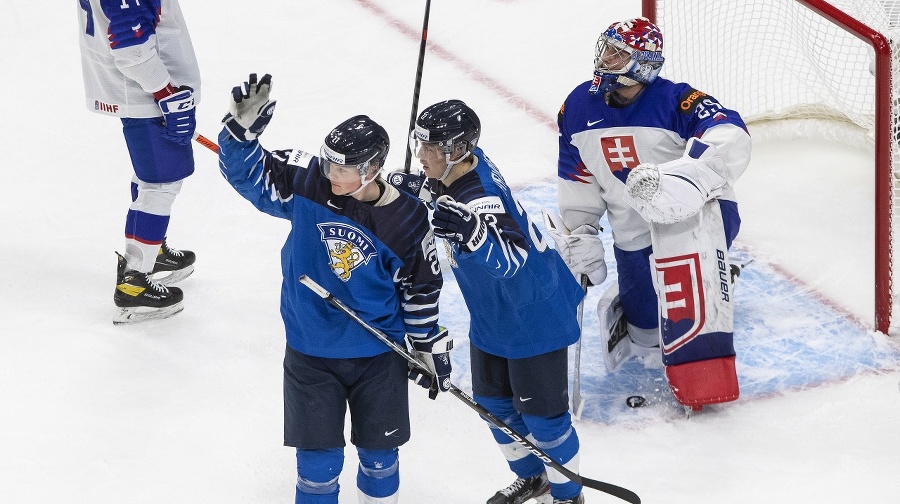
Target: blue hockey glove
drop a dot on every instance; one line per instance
(454, 221)
(179, 116)
(407, 182)
(250, 109)
(434, 353)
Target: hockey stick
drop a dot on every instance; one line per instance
(608, 488)
(206, 142)
(553, 222)
(577, 398)
(418, 85)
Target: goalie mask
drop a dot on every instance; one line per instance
(627, 53)
(450, 126)
(358, 144)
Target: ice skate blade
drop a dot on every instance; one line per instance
(542, 499)
(135, 315)
(168, 278)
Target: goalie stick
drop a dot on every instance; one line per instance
(608, 488)
(553, 222)
(577, 398)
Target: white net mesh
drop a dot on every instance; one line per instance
(789, 70)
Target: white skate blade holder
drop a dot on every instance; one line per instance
(168, 278)
(134, 315)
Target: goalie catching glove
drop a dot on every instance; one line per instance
(581, 249)
(434, 352)
(673, 191)
(456, 222)
(250, 109)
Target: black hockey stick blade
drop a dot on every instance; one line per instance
(608, 488)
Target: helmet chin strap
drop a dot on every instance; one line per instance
(363, 183)
(451, 164)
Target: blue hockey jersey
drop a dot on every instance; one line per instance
(521, 296)
(379, 259)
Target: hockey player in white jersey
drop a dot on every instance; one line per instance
(659, 159)
(139, 65)
(521, 298)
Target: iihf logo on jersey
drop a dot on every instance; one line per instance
(347, 247)
(683, 313)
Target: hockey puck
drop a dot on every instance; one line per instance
(635, 401)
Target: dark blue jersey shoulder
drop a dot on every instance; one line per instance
(131, 22)
(676, 107)
(392, 223)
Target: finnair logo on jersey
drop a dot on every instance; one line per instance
(488, 204)
(620, 155)
(683, 312)
(300, 158)
(347, 247)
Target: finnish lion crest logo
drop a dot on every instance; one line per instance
(347, 247)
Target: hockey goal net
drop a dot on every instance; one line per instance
(834, 64)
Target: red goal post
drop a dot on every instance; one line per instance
(844, 68)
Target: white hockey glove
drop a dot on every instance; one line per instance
(250, 109)
(673, 191)
(434, 353)
(581, 249)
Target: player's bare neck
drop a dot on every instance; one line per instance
(371, 193)
(624, 96)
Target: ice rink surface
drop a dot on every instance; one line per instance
(188, 410)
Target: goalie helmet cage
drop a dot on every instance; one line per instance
(808, 54)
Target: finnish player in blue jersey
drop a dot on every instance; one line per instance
(371, 246)
(521, 297)
(659, 159)
(139, 65)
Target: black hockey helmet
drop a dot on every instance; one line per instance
(358, 141)
(448, 123)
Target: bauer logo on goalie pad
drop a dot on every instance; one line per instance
(347, 248)
(683, 313)
(620, 154)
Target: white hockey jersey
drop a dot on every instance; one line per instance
(129, 50)
(599, 145)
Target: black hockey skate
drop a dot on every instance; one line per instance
(139, 298)
(575, 500)
(172, 265)
(521, 490)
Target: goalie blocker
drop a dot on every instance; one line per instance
(692, 280)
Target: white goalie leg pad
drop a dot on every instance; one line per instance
(621, 340)
(678, 189)
(615, 345)
(692, 281)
